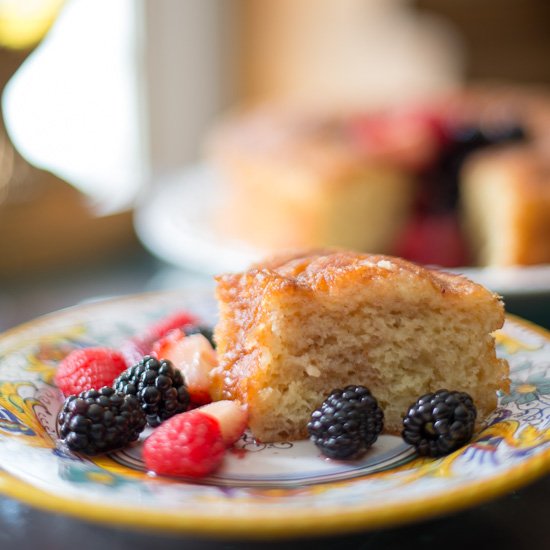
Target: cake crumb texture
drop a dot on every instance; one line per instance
(299, 325)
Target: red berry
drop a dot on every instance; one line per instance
(180, 320)
(433, 239)
(189, 444)
(410, 138)
(89, 368)
(141, 345)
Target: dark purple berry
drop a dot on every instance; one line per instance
(158, 385)
(439, 423)
(347, 423)
(98, 421)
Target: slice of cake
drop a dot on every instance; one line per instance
(505, 197)
(296, 327)
(290, 180)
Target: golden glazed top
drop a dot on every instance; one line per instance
(330, 270)
(248, 298)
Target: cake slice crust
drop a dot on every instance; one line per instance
(296, 327)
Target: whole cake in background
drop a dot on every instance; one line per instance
(463, 179)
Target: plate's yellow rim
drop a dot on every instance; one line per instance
(260, 524)
(296, 523)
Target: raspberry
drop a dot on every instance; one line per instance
(142, 344)
(187, 445)
(97, 421)
(433, 239)
(347, 423)
(88, 368)
(407, 138)
(160, 329)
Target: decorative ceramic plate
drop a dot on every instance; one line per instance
(175, 223)
(261, 490)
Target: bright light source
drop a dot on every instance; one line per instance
(73, 107)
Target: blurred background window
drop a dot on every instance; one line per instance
(121, 93)
(118, 86)
(74, 107)
(124, 89)
(191, 67)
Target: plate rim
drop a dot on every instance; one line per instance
(262, 525)
(298, 524)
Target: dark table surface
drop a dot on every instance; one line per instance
(517, 520)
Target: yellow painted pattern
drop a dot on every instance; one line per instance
(23, 408)
(512, 345)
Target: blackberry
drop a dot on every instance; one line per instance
(347, 423)
(201, 329)
(96, 421)
(472, 138)
(441, 183)
(439, 423)
(158, 385)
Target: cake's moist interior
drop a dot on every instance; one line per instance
(392, 348)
